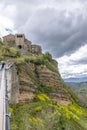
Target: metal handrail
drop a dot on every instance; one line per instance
(5, 120)
(7, 116)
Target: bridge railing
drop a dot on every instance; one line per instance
(4, 113)
(7, 117)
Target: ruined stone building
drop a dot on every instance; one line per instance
(22, 44)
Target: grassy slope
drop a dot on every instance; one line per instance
(43, 114)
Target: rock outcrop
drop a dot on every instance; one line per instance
(47, 77)
(32, 76)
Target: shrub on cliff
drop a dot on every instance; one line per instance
(45, 89)
(43, 98)
(7, 52)
(47, 56)
(14, 52)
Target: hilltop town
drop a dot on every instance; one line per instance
(20, 42)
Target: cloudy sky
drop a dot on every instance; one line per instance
(59, 26)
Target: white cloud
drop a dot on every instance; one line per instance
(9, 11)
(5, 23)
(6, 18)
(68, 64)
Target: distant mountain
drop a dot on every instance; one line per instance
(77, 86)
(82, 79)
(80, 89)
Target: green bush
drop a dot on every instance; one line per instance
(43, 98)
(45, 89)
(38, 108)
(47, 56)
(20, 60)
(39, 60)
(30, 58)
(7, 52)
(14, 52)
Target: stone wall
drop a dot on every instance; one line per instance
(36, 49)
(8, 38)
(27, 45)
(12, 84)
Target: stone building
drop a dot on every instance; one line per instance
(19, 39)
(22, 44)
(36, 49)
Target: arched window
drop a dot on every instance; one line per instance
(19, 46)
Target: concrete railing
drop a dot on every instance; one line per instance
(4, 113)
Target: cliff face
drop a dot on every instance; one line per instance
(47, 77)
(45, 86)
(32, 77)
(27, 79)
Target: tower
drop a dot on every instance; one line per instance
(19, 39)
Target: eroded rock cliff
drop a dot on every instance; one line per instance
(33, 78)
(31, 74)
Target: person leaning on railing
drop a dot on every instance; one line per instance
(2, 63)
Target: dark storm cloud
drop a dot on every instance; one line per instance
(82, 61)
(57, 30)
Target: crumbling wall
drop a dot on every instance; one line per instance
(36, 49)
(8, 38)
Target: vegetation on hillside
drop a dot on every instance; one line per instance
(44, 59)
(8, 52)
(43, 114)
